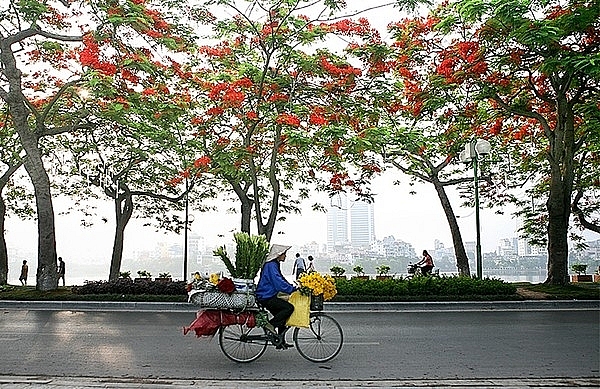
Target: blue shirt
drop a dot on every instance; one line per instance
(272, 281)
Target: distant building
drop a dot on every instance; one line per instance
(350, 223)
(362, 224)
(507, 247)
(337, 222)
(525, 249)
(389, 247)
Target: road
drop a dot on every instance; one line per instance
(378, 346)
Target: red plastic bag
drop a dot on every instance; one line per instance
(208, 321)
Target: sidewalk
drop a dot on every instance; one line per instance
(449, 306)
(23, 382)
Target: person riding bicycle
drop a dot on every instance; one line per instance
(270, 284)
(426, 264)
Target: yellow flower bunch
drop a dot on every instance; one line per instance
(214, 278)
(315, 283)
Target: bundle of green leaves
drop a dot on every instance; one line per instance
(251, 252)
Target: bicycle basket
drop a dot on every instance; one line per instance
(316, 303)
(220, 300)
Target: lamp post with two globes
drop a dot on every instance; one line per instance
(473, 152)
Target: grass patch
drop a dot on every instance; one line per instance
(578, 291)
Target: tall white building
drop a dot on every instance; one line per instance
(362, 224)
(350, 222)
(337, 222)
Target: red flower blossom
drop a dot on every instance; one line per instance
(214, 111)
(129, 76)
(318, 119)
(289, 119)
(222, 141)
(278, 97)
(153, 33)
(202, 162)
(233, 98)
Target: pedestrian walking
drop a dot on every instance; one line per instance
(24, 271)
(311, 265)
(299, 266)
(61, 270)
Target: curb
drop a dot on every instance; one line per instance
(25, 382)
(450, 306)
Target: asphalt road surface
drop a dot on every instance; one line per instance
(378, 346)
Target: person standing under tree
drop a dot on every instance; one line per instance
(61, 269)
(299, 266)
(24, 271)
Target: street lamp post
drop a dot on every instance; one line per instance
(185, 236)
(474, 150)
(185, 230)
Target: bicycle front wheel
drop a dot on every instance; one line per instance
(322, 340)
(241, 343)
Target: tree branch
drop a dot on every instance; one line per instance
(578, 212)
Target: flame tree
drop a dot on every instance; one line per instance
(43, 45)
(14, 199)
(277, 111)
(531, 68)
(425, 121)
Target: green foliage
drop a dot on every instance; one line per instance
(164, 275)
(359, 270)
(382, 270)
(128, 287)
(125, 274)
(144, 274)
(579, 268)
(337, 271)
(348, 290)
(456, 287)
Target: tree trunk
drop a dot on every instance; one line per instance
(561, 156)
(462, 261)
(246, 217)
(3, 250)
(558, 249)
(123, 212)
(47, 278)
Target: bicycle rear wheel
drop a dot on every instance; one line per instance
(241, 343)
(322, 340)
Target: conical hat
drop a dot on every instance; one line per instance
(276, 251)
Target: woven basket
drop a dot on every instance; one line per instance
(220, 300)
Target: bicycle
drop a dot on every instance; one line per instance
(415, 271)
(320, 342)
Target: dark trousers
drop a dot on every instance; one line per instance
(281, 311)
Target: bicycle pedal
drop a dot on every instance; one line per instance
(284, 346)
